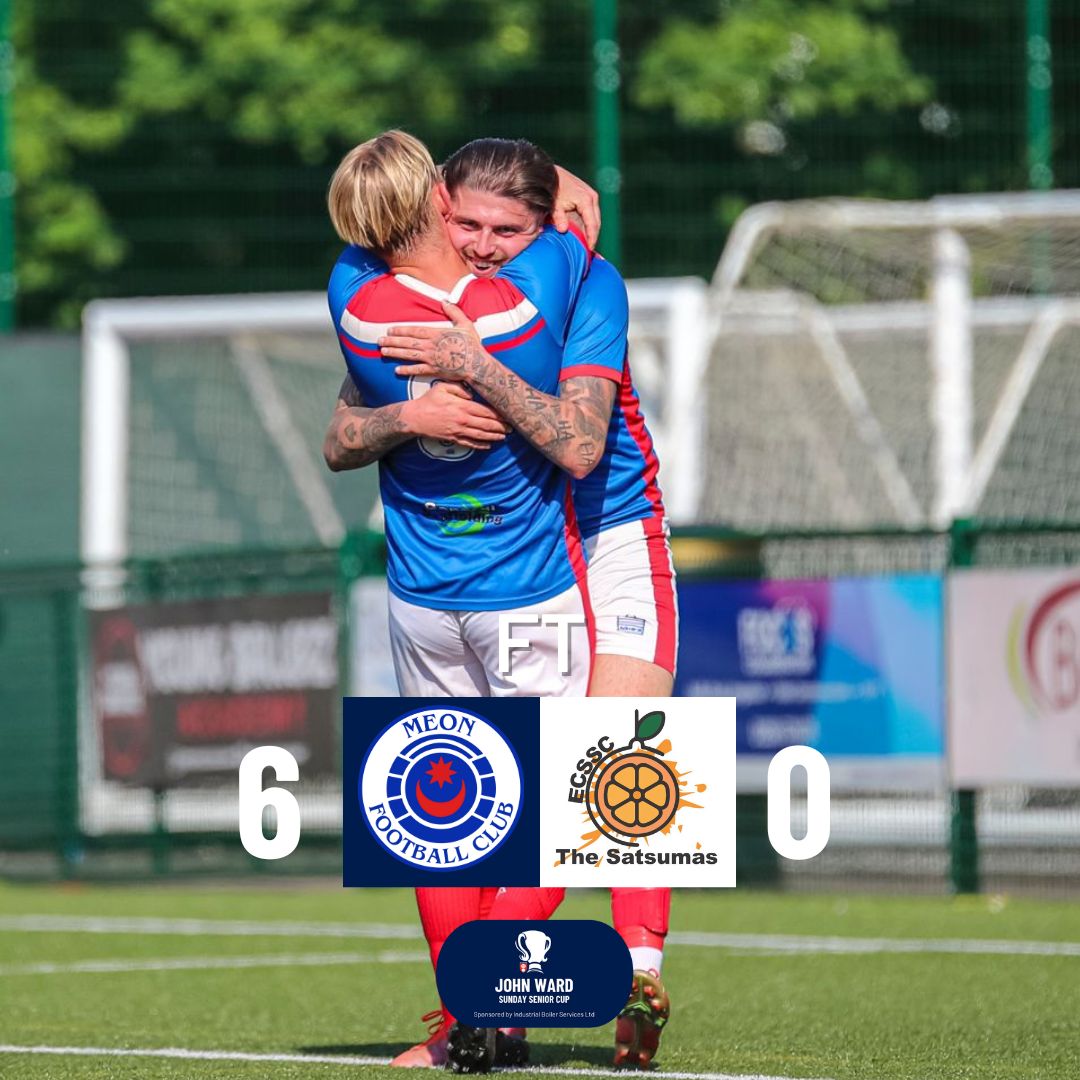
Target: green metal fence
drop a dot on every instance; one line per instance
(44, 671)
(44, 698)
(213, 184)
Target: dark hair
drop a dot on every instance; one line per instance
(513, 168)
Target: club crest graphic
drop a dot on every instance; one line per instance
(440, 788)
(633, 792)
(1043, 656)
(653, 809)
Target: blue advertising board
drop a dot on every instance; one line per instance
(852, 667)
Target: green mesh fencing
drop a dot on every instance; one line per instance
(1003, 838)
(60, 815)
(39, 643)
(56, 820)
(212, 188)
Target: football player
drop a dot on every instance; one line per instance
(493, 215)
(482, 526)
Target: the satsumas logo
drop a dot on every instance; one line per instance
(630, 792)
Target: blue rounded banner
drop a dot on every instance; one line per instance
(565, 973)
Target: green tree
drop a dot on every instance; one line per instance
(316, 73)
(767, 64)
(63, 234)
(298, 79)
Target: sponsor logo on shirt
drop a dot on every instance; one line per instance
(463, 514)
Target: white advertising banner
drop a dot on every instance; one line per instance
(1014, 677)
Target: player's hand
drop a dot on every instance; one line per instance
(447, 353)
(448, 412)
(575, 194)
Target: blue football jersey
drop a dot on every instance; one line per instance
(469, 530)
(623, 486)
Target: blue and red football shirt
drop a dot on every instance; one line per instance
(469, 530)
(623, 485)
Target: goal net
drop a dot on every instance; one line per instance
(894, 364)
(203, 418)
(203, 421)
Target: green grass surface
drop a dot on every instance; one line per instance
(879, 1016)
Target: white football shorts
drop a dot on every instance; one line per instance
(456, 653)
(631, 583)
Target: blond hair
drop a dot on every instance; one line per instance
(380, 194)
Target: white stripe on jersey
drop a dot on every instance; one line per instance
(487, 326)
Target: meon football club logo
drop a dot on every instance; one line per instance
(630, 792)
(440, 788)
(1044, 651)
(533, 947)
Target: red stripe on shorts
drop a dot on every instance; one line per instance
(635, 424)
(659, 564)
(663, 593)
(576, 552)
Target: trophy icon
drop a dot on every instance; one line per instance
(532, 947)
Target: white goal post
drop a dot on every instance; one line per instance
(912, 362)
(110, 327)
(167, 380)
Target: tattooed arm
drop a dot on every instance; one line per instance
(570, 430)
(358, 436)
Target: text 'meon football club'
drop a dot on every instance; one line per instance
(440, 788)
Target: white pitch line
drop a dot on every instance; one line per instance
(761, 943)
(190, 1055)
(788, 944)
(327, 1059)
(200, 963)
(201, 927)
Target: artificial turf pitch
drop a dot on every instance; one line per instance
(747, 999)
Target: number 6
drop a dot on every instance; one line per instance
(254, 799)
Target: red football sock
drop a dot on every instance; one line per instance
(531, 905)
(487, 898)
(641, 916)
(442, 910)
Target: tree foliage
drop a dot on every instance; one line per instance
(766, 63)
(63, 232)
(314, 73)
(306, 76)
(196, 136)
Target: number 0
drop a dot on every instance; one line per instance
(254, 800)
(817, 802)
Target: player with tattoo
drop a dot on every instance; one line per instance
(478, 522)
(493, 216)
(609, 452)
